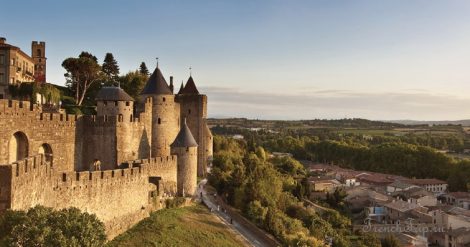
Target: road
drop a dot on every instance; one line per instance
(255, 236)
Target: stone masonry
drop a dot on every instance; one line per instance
(46, 158)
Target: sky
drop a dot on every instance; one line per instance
(382, 60)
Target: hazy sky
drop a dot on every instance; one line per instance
(273, 59)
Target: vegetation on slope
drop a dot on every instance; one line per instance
(186, 226)
(268, 191)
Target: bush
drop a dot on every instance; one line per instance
(175, 202)
(42, 226)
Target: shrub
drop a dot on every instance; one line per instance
(42, 226)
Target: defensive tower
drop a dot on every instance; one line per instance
(113, 101)
(193, 106)
(185, 147)
(165, 114)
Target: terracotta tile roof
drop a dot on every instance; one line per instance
(459, 194)
(425, 181)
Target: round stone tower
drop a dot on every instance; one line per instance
(113, 101)
(165, 114)
(185, 147)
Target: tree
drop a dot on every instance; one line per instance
(133, 83)
(88, 55)
(143, 69)
(82, 73)
(42, 226)
(110, 67)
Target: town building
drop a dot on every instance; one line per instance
(17, 67)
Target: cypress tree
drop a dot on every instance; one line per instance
(110, 66)
(143, 69)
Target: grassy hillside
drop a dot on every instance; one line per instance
(188, 226)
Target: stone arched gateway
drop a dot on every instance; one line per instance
(46, 150)
(17, 147)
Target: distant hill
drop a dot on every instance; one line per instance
(463, 122)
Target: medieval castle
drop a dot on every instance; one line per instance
(148, 149)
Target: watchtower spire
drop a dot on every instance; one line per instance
(157, 61)
(190, 71)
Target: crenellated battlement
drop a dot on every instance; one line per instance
(25, 110)
(30, 166)
(36, 166)
(16, 107)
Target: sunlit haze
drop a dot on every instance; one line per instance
(273, 59)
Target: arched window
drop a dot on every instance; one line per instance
(46, 150)
(164, 99)
(18, 147)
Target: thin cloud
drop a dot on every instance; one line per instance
(410, 104)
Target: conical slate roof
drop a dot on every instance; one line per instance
(190, 87)
(184, 138)
(181, 88)
(156, 84)
(113, 94)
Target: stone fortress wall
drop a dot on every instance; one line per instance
(113, 195)
(46, 158)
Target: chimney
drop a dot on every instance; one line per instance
(171, 84)
(2, 40)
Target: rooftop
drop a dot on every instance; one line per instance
(156, 84)
(401, 206)
(184, 138)
(426, 181)
(189, 88)
(113, 94)
(459, 194)
(401, 185)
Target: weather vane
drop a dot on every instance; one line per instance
(157, 62)
(190, 71)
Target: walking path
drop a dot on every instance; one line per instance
(255, 236)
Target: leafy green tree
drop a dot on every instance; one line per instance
(257, 212)
(143, 69)
(110, 67)
(133, 83)
(41, 226)
(82, 73)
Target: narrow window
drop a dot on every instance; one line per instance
(115, 103)
(159, 121)
(127, 103)
(189, 111)
(164, 99)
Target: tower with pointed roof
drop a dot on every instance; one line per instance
(185, 148)
(165, 114)
(193, 108)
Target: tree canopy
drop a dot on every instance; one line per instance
(82, 73)
(143, 69)
(110, 67)
(42, 226)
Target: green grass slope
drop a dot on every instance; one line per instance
(188, 226)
